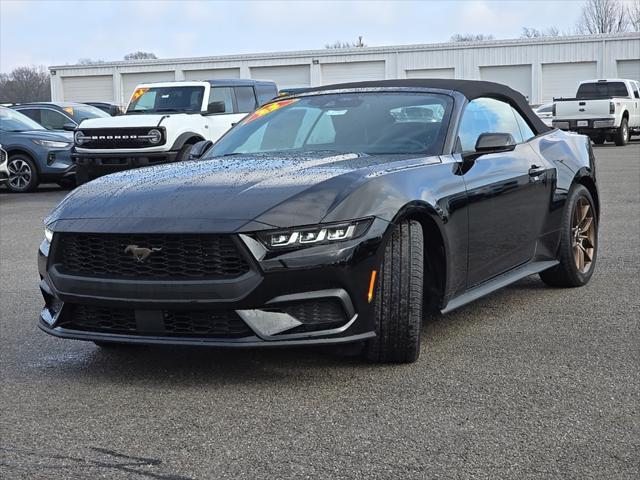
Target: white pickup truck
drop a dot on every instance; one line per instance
(605, 110)
(162, 122)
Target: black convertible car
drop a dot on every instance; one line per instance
(335, 215)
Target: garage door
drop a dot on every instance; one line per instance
(517, 77)
(284, 76)
(561, 79)
(352, 72)
(629, 69)
(92, 88)
(212, 74)
(130, 80)
(431, 73)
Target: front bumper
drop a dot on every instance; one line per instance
(98, 164)
(276, 303)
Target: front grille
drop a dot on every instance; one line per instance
(315, 315)
(171, 256)
(170, 323)
(119, 137)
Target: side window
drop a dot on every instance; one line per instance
(53, 120)
(32, 113)
(525, 129)
(224, 95)
(266, 93)
(246, 99)
(486, 115)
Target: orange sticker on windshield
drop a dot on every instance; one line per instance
(138, 93)
(69, 110)
(271, 107)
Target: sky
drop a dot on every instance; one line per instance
(52, 32)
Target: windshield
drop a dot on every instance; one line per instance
(12, 121)
(166, 99)
(82, 112)
(371, 123)
(602, 90)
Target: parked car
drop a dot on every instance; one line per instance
(4, 171)
(162, 122)
(326, 218)
(545, 112)
(34, 154)
(111, 108)
(605, 110)
(59, 115)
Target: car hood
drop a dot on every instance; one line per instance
(130, 121)
(39, 135)
(220, 194)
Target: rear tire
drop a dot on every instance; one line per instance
(622, 135)
(399, 298)
(578, 242)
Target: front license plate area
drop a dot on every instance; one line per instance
(583, 123)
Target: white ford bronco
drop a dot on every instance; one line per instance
(603, 109)
(162, 122)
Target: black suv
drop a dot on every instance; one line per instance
(59, 115)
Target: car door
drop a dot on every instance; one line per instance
(219, 123)
(508, 191)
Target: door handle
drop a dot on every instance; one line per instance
(535, 170)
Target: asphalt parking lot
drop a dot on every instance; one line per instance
(530, 382)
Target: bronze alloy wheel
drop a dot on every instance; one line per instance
(583, 232)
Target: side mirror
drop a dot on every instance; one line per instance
(69, 127)
(495, 143)
(199, 149)
(216, 107)
(114, 110)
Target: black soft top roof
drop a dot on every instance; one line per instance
(471, 89)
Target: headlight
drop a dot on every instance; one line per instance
(314, 235)
(154, 136)
(48, 235)
(79, 137)
(51, 143)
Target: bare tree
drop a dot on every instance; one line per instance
(25, 84)
(89, 61)
(140, 56)
(634, 15)
(528, 32)
(339, 44)
(602, 16)
(470, 37)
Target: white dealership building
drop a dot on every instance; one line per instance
(540, 68)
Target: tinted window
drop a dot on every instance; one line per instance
(224, 95)
(525, 129)
(266, 93)
(82, 112)
(602, 90)
(32, 113)
(486, 115)
(546, 109)
(166, 99)
(371, 123)
(52, 120)
(245, 99)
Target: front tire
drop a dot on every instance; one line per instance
(622, 135)
(578, 242)
(23, 174)
(399, 298)
(183, 153)
(599, 140)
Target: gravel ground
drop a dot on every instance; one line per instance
(530, 382)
